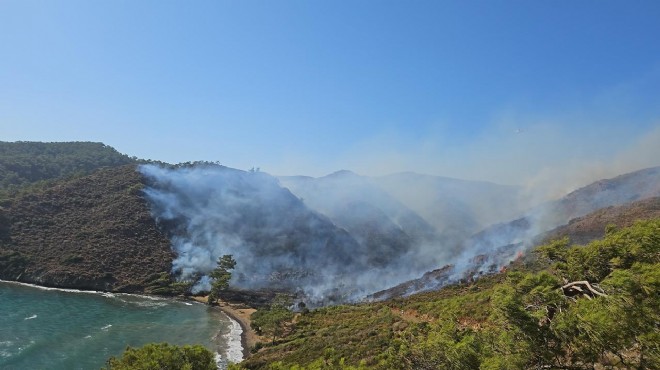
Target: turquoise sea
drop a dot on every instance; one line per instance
(44, 328)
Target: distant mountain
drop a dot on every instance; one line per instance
(457, 208)
(523, 231)
(407, 208)
(619, 190)
(613, 201)
(373, 217)
(604, 193)
(584, 229)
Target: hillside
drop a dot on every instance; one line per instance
(594, 304)
(331, 254)
(331, 240)
(335, 239)
(455, 207)
(503, 241)
(618, 190)
(276, 239)
(24, 163)
(489, 250)
(374, 218)
(580, 230)
(430, 209)
(92, 232)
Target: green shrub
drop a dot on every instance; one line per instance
(164, 356)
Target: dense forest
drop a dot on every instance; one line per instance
(25, 163)
(562, 307)
(90, 232)
(72, 215)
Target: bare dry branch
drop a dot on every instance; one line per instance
(580, 286)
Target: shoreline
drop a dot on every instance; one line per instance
(236, 312)
(241, 314)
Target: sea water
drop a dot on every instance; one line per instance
(43, 328)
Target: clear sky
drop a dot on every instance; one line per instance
(496, 90)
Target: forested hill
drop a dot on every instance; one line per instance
(23, 163)
(72, 215)
(89, 232)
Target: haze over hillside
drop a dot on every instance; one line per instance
(618, 201)
(436, 206)
(358, 244)
(541, 218)
(343, 236)
(333, 239)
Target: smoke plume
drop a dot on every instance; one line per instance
(277, 241)
(342, 237)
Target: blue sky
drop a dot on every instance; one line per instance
(497, 90)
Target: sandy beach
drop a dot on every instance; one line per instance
(241, 314)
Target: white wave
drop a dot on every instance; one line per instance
(143, 300)
(144, 296)
(50, 288)
(106, 327)
(21, 348)
(143, 303)
(6, 349)
(220, 362)
(88, 336)
(234, 344)
(163, 300)
(31, 317)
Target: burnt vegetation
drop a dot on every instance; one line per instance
(565, 307)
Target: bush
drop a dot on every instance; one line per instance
(164, 356)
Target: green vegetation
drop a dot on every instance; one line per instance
(164, 284)
(272, 320)
(33, 164)
(92, 232)
(163, 356)
(579, 306)
(221, 276)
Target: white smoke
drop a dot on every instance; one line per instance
(278, 242)
(357, 238)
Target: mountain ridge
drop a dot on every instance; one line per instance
(494, 247)
(378, 231)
